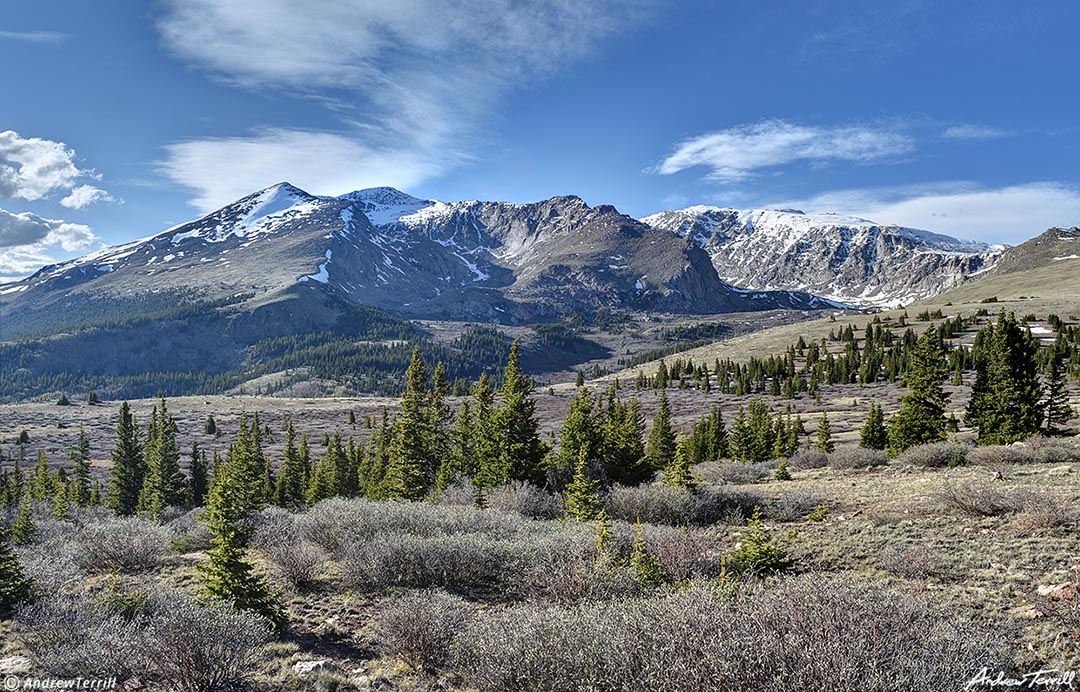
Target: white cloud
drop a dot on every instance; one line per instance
(415, 78)
(1009, 215)
(26, 241)
(976, 133)
(743, 151)
(34, 36)
(85, 195)
(32, 168)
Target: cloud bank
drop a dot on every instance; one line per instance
(33, 168)
(745, 151)
(26, 240)
(411, 80)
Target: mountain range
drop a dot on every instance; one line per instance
(281, 262)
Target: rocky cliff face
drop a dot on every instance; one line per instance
(842, 258)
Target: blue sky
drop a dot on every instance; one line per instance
(121, 118)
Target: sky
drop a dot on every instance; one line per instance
(121, 118)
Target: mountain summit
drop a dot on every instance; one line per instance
(842, 258)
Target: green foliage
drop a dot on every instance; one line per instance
(759, 552)
(644, 566)
(582, 499)
(783, 471)
(874, 434)
(823, 437)
(199, 484)
(80, 460)
(15, 588)
(128, 466)
(163, 483)
(677, 473)
(921, 418)
(1006, 399)
(1057, 408)
(660, 449)
(25, 528)
(818, 514)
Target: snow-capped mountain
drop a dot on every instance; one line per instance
(842, 258)
(382, 248)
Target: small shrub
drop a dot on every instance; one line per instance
(457, 562)
(795, 504)
(190, 535)
(851, 457)
(299, 565)
(196, 646)
(936, 455)
(120, 543)
(919, 562)
(818, 514)
(735, 472)
(806, 459)
(663, 504)
(419, 628)
(524, 499)
(981, 499)
(1045, 512)
(1000, 455)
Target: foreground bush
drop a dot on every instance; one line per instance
(936, 455)
(120, 543)
(805, 633)
(983, 499)
(663, 504)
(188, 645)
(851, 457)
(419, 627)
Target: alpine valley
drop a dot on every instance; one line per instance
(282, 279)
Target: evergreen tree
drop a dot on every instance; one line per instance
(42, 482)
(290, 481)
(460, 461)
(582, 499)
(823, 437)
(412, 464)
(580, 435)
(128, 466)
(1006, 398)
(522, 451)
(717, 439)
(62, 505)
(677, 472)
(874, 434)
(15, 588)
(660, 449)
(163, 482)
(227, 574)
(921, 418)
(623, 446)
(25, 528)
(200, 481)
(80, 459)
(1058, 410)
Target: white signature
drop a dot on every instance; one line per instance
(1050, 678)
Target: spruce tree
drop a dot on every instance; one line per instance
(42, 482)
(80, 481)
(412, 463)
(521, 449)
(623, 444)
(227, 574)
(580, 434)
(460, 461)
(921, 418)
(823, 437)
(1058, 410)
(199, 484)
(874, 434)
(128, 466)
(163, 483)
(15, 588)
(290, 481)
(677, 473)
(582, 499)
(1006, 398)
(660, 449)
(25, 528)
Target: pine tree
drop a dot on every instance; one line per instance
(677, 472)
(80, 459)
(42, 482)
(660, 449)
(128, 466)
(290, 481)
(62, 505)
(412, 464)
(580, 434)
(163, 483)
(717, 439)
(1058, 410)
(582, 499)
(227, 574)
(623, 446)
(874, 434)
(823, 437)
(460, 461)
(921, 418)
(15, 588)
(25, 528)
(199, 484)
(644, 566)
(783, 471)
(521, 450)
(1006, 398)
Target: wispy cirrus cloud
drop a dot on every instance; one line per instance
(745, 151)
(32, 168)
(974, 133)
(1009, 214)
(411, 80)
(34, 36)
